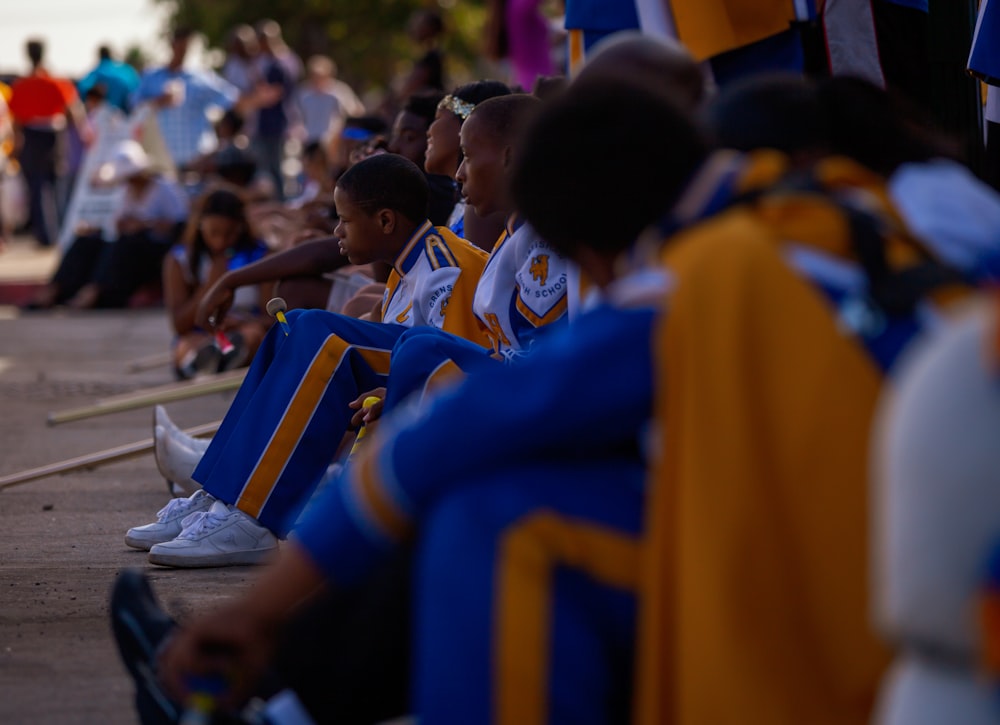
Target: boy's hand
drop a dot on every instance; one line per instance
(213, 306)
(364, 416)
(233, 645)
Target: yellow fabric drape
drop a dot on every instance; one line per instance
(710, 27)
(755, 599)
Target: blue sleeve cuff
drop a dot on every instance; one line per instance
(328, 531)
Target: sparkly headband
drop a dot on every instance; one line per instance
(460, 108)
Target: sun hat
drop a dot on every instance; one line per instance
(128, 159)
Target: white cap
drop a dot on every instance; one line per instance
(128, 159)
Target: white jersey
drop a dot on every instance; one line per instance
(522, 288)
(424, 276)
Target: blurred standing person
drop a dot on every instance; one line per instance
(40, 105)
(182, 99)
(271, 40)
(6, 149)
(94, 101)
(271, 98)
(118, 79)
(323, 101)
(426, 29)
(240, 69)
(517, 31)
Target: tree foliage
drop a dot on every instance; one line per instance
(366, 38)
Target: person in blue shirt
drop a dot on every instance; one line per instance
(182, 99)
(119, 80)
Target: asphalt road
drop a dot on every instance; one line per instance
(61, 541)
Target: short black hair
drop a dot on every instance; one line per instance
(314, 149)
(548, 86)
(880, 128)
(478, 91)
(601, 162)
(778, 110)
(182, 32)
(98, 92)
(35, 48)
(504, 117)
(233, 118)
(423, 104)
(235, 165)
(387, 181)
(222, 201)
(104, 52)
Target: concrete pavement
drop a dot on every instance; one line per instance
(62, 536)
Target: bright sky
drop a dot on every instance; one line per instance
(73, 29)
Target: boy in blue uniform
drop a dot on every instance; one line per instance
(313, 373)
(289, 456)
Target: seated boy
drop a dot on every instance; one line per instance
(299, 386)
(290, 429)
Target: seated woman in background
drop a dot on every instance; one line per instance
(218, 238)
(96, 271)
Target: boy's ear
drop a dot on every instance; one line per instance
(387, 220)
(508, 157)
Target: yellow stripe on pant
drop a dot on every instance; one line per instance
(297, 416)
(529, 553)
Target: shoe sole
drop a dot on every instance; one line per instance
(146, 544)
(180, 561)
(142, 545)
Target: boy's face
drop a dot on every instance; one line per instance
(362, 236)
(409, 137)
(482, 173)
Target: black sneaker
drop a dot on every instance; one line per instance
(140, 627)
(236, 357)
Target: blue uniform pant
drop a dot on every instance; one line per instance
(525, 596)
(289, 415)
(423, 355)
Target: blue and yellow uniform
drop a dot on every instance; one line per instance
(528, 520)
(288, 418)
(522, 294)
(735, 37)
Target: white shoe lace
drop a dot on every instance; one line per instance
(201, 521)
(177, 506)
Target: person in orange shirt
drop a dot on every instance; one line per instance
(40, 106)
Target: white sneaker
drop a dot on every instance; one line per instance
(221, 536)
(175, 460)
(176, 433)
(169, 521)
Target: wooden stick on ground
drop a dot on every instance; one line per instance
(92, 460)
(151, 396)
